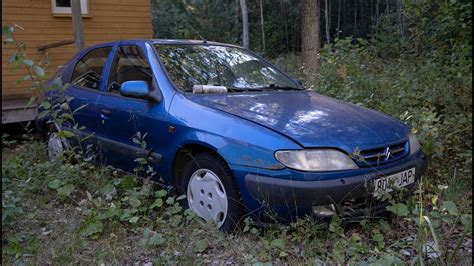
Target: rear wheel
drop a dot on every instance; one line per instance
(211, 191)
(57, 145)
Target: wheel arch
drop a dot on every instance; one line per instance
(187, 151)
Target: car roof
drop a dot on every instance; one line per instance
(164, 41)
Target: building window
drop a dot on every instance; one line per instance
(61, 7)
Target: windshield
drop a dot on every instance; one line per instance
(214, 65)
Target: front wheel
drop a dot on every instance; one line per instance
(211, 191)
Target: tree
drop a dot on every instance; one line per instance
(245, 23)
(327, 15)
(310, 40)
(262, 25)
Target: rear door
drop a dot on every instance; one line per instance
(86, 82)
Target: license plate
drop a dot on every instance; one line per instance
(398, 180)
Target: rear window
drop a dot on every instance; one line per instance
(89, 68)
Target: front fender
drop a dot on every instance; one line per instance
(234, 152)
(238, 141)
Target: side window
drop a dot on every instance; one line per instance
(129, 64)
(89, 68)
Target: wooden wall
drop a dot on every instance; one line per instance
(108, 20)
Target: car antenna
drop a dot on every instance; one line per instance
(197, 33)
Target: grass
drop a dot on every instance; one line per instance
(58, 212)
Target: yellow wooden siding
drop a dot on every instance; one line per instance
(109, 20)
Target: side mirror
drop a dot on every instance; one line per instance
(139, 89)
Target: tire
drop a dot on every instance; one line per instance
(211, 191)
(57, 145)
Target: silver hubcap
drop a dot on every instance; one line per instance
(55, 146)
(207, 197)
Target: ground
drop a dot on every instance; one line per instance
(76, 212)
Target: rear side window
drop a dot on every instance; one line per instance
(129, 64)
(89, 68)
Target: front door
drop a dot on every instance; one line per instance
(128, 126)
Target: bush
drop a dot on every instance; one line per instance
(423, 79)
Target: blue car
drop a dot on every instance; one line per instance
(232, 132)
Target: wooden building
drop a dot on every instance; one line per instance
(48, 31)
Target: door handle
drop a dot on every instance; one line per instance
(105, 112)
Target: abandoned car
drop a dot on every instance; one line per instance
(232, 132)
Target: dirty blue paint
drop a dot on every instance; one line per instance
(245, 129)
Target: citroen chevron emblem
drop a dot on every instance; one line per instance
(387, 154)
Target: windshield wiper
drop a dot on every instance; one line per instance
(278, 87)
(233, 89)
(264, 88)
(239, 89)
(252, 89)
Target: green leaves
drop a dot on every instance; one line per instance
(200, 245)
(399, 209)
(54, 184)
(278, 243)
(160, 193)
(156, 204)
(92, 229)
(66, 134)
(13, 58)
(65, 191)
(45, 105)
(384, 260)
(151, 239)
(28, 62)
(466, 221)
(134, 202)
(7, 31)
(156, 240)
(39, 71)
(450, 207)
(133, 219)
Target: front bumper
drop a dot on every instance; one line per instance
(295, 193)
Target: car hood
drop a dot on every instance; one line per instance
(310, 119)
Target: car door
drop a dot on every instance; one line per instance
(85, 87)
(123, 119)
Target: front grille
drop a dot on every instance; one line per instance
(382, 155)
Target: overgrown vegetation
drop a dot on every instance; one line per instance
(423, 78)
(58, 212)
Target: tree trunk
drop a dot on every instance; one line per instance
(355, 17)
(285, 18)
(400, 17)
(338, 19)
(326, 18)
(237, 22)
(245, 24)
(372, 19)
(377, 13)
(262, 26)
(310, 40)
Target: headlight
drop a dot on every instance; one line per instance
(415, 145)
(315, 160)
